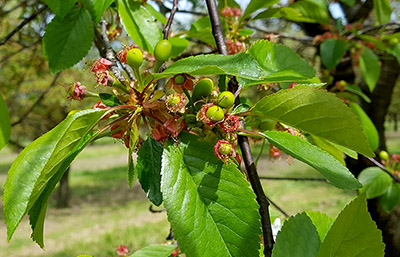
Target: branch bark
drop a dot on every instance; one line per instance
(22, 24)
(244, 141)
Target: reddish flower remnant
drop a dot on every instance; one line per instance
(227, 12)
(224, 150)
(292, 85)
(79, 92)
(396, 157)
(233, 47)
(230, 123)
(202, 115)
(274, 152)
(180, 82)
(236, 12)
(101, 65)
(100, 105)
(176, 102)
(122, 250)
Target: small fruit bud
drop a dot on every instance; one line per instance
(384, 155)
(224, 150)
(176, 103)
(230, 123)
(134, 58)
(226, 99)
(162, 51)
(215, 113)
(202, 89)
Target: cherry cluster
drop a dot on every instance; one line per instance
(188, 104)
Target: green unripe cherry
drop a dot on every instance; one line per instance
(134, 58)
(384, 155)
(393, 41)
(225, 149)
(203, 88)
(226, 99)
(215, 113)
(162, 51)
(179, 79)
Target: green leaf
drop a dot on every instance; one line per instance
(155, 251)
(96, 8)
(216, 64)
(325, 163)
(355, 89)
(297, 238)
(211, 208)
(322, 223)
(317, 112)
(314, 11)
(368, 126)
(391, 198)
(395, 51)
(149, 169)
(156, 14)
(178, 45)
(109, 100)
(370, 68)
(60, 7)
(67, 40)
(201, 29)
(38, 211)
(375, 182)
(349, 3)
(329, 147)
(245, 32)
(33, 169)
(280, 62)
(332, 51)
(5, 127)
(382, 11)
(353, 233)
(139, 24)
(256, 5)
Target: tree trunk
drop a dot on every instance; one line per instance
(63, 193)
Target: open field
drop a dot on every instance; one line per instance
(105, 213)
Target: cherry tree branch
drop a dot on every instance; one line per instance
(37, 102)
(170, 19)
(22, 24)
(244, 141)
(378, 164)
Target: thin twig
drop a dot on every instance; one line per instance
(372, 28)
(378, 164)
(295, 179)
(304, 39)
(37, 102)
(22, 24)
(278, 208)
(170, 19)
(243, 141)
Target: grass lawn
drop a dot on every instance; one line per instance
(105, 213)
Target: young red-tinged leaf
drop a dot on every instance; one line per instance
(5, 127)
(35, 167)
(211, 208)
(163, 250)
(353, 233)
(298, 238)
(67, 40)
(314, 156)
(149, 169)
(317, 112)
(375, 182)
